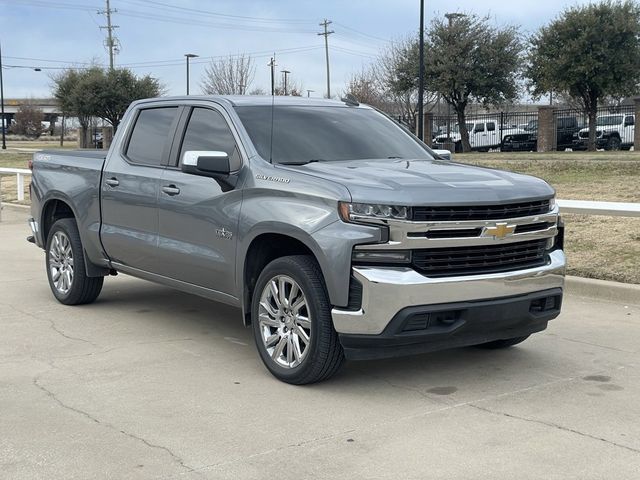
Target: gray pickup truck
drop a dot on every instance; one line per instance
(335, 231)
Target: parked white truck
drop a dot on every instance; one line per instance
(613, 132)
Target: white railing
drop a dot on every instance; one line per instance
(587, 207)
(19, 173)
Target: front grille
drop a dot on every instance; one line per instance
(480, 259)
(479, 212)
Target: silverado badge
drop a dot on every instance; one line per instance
(500, 231)
(224, 233)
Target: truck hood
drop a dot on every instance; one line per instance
(426, 182)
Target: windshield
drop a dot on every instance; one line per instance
(609, 120)
(532, 125)
(304, 134)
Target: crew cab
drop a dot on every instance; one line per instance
(484, 135)
(336, 233)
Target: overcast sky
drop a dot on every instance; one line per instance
(155, 34)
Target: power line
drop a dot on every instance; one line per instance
(326, 34)
(169, 7)
(386, 40)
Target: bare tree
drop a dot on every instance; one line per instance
(229, 76)
(28, 120)
(258, 91)
(367, 88)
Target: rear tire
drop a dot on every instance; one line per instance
(506, 343)
(68, 279)
(292, 324)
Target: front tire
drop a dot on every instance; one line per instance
(68, 280)
(291, 321)
(613, 144)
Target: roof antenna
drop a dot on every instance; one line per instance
(350, 100)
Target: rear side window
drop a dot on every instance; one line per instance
(491, 126)
(207, 130)
(149, 136)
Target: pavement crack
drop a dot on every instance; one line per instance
(596, 345)
(175, 457)
(554, 425)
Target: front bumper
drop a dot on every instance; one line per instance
(386, 291)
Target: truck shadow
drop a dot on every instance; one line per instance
(205, 321)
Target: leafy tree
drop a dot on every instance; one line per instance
(590, 52)
(28, 121)
(110, 92)
(467, 59)
(229, 76)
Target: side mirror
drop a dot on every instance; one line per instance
(206, 163)
(444, 154)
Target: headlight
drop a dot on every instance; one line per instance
(552, 203)
(350, 212)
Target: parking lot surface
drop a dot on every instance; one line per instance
(153, 383)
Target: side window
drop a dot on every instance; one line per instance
(630, 120)
(207, 130)
(479, 127)
(491, 126)
(153, 126)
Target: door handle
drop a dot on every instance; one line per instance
(171, 190)
(112, 182)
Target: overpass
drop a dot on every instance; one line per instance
(49, 107)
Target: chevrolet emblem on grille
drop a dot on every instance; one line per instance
(500, 231)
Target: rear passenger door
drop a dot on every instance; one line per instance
(198, 216)
(130, 184)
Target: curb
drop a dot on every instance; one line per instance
(15, 205)
(627, 293)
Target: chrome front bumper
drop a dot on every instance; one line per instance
(387, 290)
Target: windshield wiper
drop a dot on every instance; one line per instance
(394, 157)
(303, 162)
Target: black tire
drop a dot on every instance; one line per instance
(325, 355)
(613, 144)
(506, 343)
(82, 289)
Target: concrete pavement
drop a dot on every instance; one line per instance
(153, 383)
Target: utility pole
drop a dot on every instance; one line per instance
(326, 34)
(3, 124)
(286, 73)
(273, 64)
(421, 76)
(112, 43)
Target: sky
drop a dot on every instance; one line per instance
(155, 34)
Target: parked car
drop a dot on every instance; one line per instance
(613, 132)
(526, 139)
(333, 230)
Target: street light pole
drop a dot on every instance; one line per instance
(188, 56)
(4, 138)
(421, 76)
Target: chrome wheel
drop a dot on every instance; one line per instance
(61, 262)
(284, 321)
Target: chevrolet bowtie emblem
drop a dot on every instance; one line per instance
(500, 231)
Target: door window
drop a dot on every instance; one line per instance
(491, 126)
(479, 127)
(208, 131)
(150, 134)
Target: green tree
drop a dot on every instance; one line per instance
(589, 52)
(468, 59)
(96, 92)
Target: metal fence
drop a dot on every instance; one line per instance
(510, 131)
